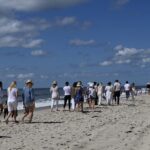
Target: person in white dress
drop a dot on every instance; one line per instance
(12, 103)
(100, 93)
(109, 90)
(54, 95)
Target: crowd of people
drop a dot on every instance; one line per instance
(74, 95)
(93, 94)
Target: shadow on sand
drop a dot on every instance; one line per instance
(5, 137)
(88, 111)
(45, 122)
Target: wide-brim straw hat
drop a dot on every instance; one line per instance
(29, 81)
(54, 83)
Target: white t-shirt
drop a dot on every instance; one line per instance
(54, 91)
(127, 87)
(67, 90)
(117, 86)
(12, 95)
(109, 88)
(91, 91)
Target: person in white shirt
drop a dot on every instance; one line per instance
(100, 93)
(12, 93)
(117, 90)
(54, 95)
(92, 94)
(67, 93)
(127, 90)
(109, 91)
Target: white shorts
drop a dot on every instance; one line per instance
(12, 106)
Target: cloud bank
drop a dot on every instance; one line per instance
(131, 56)
(37, 5)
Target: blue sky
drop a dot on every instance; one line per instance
(71, 40)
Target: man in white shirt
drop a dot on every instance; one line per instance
(67, 93)
(117, 90)
(127, 89)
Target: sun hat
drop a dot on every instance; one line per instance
(54, 82)
(29, 81)
(78, 84)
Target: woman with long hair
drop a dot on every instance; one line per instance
(12, 103)
(54, 95)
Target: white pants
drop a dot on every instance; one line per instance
(133, 95)
(52, 103)
(99, 99)
(72, 104)
(109, 97)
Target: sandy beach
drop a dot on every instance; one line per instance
(124, 127)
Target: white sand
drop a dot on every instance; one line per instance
(124, 127)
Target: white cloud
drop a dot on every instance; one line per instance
(36, 5)
(78, 42)
(16, 41)
(146, 60)
(11, 76)
(38, 53)
(120, 3)
(118, 47)
(10, 25)
(33, 43)
(123, 61)
(70, 21)
(19, 33)
(24, 76)
(66, 21)
(124, 55)
(106, 63)
(127, 51)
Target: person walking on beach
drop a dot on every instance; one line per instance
(109, 93)
(1, 97)
(117, 90)
(12, 93)
(79, 97)
(148, 87)
(127, 90)
(54, 95)
(67, 93)
(73, 95)
(133, 91)
(28, 100)
(100, 93)
(91, 96)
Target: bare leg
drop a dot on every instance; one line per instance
(10, 113)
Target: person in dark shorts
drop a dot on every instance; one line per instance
(67, 93)
(117, 90)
